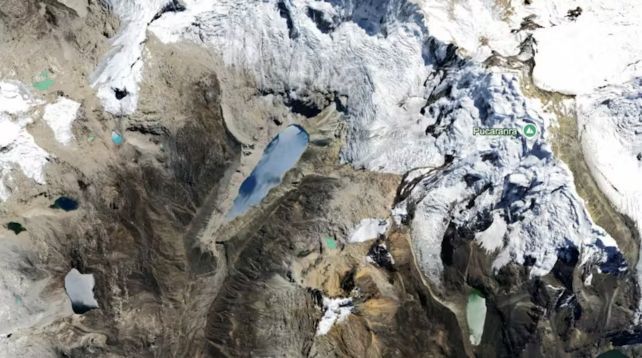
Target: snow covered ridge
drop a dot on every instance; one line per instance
(581, 44)
(508, 193)
(412, 103)
(610, 128)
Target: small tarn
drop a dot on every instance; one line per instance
(65, 203)
(17, 228)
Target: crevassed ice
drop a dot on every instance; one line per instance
(517, 185)
(610, 130)
(610, 120)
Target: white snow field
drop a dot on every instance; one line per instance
(122, 67)
(368, 229)
(575, 54)
(60, 117)
(335, 310)
(18, 150)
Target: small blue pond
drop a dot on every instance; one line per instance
(65, 203)
(116, 138)
(283, 152)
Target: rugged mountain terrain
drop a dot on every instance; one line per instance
(129, 127)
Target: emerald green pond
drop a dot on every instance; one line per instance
(43, 81)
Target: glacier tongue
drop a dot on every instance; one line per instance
(381, 74)
(117, 77)
(610, 120)
(412, 103)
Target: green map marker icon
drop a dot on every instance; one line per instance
(530, 130)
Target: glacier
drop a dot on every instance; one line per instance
(117, 77)
(512, 179)
(610, 129)
(412, 104)
(390, 68)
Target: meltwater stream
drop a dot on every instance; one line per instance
(283, 152)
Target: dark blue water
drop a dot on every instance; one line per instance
(65, 203)
(283, 152)
(612, 354)
(17, 228)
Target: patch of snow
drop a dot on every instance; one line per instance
(60, 116)
(15, 98)
(18, 148)
(122, 67)
(368, 229)
(492, 239)
(336, 310)
(601, 47)
(476, 26)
